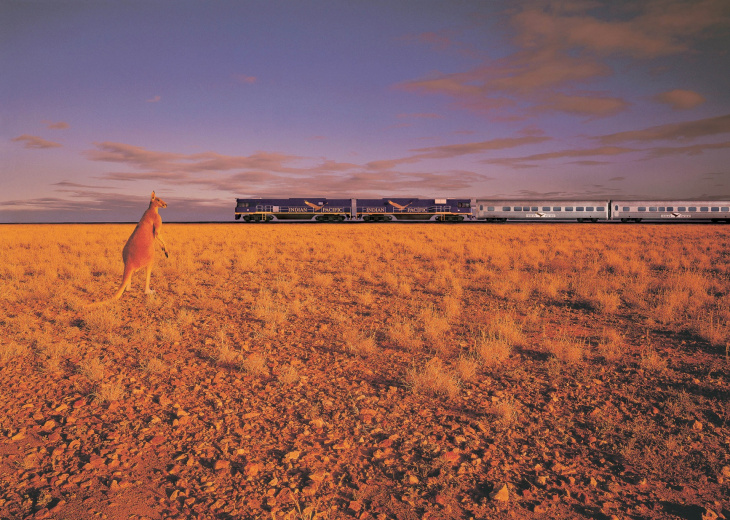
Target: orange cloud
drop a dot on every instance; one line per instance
(680, 99)
(686, 130)
(456, 150)
(61, 125)
(34, 142)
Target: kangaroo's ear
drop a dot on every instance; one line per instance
(153, 195)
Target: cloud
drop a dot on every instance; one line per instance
(155, 99)
(524, 162)
(429, 115)
(455, 150)
(248, 80)
(595, 106)
(561, 45)
(35, 143)
(61, 125)
(680, 99)
(684, 131)
(695, 149)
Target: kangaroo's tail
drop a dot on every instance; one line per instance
(125, 282)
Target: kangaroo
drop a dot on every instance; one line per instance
(139, 251)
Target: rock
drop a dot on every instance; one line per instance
(500, 493)
(157, 440)
(252, 469)
(355, 505)
(709, 514)
(697, 426)
(725, 471)
(221, 465)
(452, 457)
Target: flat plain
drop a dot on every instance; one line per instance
(367, 371)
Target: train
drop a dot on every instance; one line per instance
(403, 209)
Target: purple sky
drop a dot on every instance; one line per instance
(103, 102)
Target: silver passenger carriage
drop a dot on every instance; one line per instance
(670, 210)
(547, 210)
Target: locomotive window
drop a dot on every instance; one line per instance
(568, 208)
(556, 208)
(715, 208)
(243, 204)
(506, 208)
(652, 208)
(464, 205)
(626, 208)
(704, 208)
(590, 208)
(642, 208)
(693, 208)
(682, 208)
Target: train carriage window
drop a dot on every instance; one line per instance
(568, 208)
(642, 208)
(546, 208)
(652, 208)
(715, 208)
(704, 208)
(601, 208)
(615, 208)
(682, 208)
(481, 207)
(626, 208)
(490, 208)
(725, 208)
(590, 208)
(670, 208)
(556, 208)
(533, 208)
(662, 208)
(506, 208)
(580, 208)
(693, 208)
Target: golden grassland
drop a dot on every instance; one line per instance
(499, 325)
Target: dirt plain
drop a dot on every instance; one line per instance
(367, 371)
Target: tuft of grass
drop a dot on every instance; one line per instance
(466, 367)
(567, 350)
(288, 375)
(109, 392)
(403, 334)
(651, 360)
(492, 350)
(359, 344)
(433, 379)
(12, 350)
(255, 365)
(92, 369)
(154, 366)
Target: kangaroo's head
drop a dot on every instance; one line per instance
(157, 202)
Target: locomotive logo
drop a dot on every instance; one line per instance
(398, 206)
(313, 205)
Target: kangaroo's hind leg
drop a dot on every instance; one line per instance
(147, 289)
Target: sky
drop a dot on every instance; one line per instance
(102, 102)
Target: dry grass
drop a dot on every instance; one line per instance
(492, 350)
(433, 379)
(255, 365)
